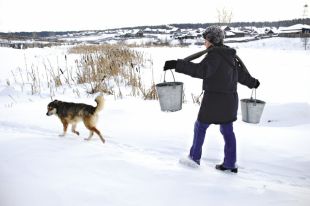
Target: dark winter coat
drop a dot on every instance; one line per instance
(220, 75)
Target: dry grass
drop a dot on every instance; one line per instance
(109, 69)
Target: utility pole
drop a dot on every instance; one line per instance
(305, 34)
(305, 13)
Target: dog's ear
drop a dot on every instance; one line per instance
(54, 103)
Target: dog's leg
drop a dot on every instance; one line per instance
(65, 125)
(90, 124)
(99, 134)
(91, 133)
(87, 123)
(73, 129)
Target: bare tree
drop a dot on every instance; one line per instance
(224, 15)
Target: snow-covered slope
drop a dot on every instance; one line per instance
(138, 165)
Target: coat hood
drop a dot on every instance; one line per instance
(223, 50)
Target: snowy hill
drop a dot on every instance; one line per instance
(138, 164)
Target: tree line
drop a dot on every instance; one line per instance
(277, 24)
(45, 34)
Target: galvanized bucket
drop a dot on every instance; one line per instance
(170, 95)
(252, 109)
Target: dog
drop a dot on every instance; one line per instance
(72, 113)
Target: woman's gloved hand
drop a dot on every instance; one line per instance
(171, 64)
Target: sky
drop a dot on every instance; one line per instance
(64, 15)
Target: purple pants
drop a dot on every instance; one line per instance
(229, 139)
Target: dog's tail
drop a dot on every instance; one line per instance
(100, 103)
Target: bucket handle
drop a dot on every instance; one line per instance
(253, 90)
(165, 75)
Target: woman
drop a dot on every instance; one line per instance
(220, 71)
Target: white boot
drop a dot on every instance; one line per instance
(187, 161)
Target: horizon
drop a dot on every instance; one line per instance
(133, 27)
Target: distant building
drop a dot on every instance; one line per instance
(225, 28)
(269, 32)
(133, 34)
(298, 30)
(234, 33)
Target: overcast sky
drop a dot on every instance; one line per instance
(64, 15)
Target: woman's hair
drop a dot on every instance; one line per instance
(214, 34)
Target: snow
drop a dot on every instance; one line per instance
(138, 165)
(297, 27)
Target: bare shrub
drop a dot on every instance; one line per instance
(151, 93)
(196, 98)
(110, 69)
(106, 68)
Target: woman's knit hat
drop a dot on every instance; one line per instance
(214, 34)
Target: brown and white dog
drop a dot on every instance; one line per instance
(72, 113)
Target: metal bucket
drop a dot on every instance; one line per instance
(170, 95)
(252, 109)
